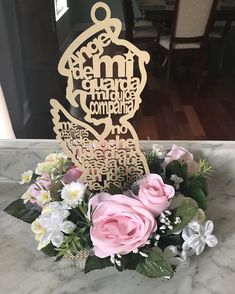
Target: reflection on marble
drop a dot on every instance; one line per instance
(24, 270)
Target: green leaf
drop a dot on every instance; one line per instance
(25, 212)
(49, 250)
(154, 266)
(202, 182)
(198, 195)
(94, 262)
(33, 178)
(175, 167)
(76, 215)
(129, 261)
(154, 163)
(169, 240)
(186, 212)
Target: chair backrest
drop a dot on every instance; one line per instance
(129, 18)
(192, 20)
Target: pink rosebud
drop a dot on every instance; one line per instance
(42, 183)
(154, 194)
(180, 153)
(72, 175)
(119, 224)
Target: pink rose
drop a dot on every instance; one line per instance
(154, 194)
(72, 175)
(119, 224)
(180, 153)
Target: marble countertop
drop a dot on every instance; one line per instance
(24, 270)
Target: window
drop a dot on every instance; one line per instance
(61, 6)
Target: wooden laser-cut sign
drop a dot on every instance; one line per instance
(104, 92)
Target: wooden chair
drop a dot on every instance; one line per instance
(137, 30)
(191, 24)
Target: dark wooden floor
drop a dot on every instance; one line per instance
(186, 113)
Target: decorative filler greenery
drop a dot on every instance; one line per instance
(153, 228)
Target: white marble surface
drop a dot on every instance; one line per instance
(24, 270)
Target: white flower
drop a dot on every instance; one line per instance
(57, 157)
(39, 231)
(197, 235)
(52, 162)
(43, 197)
(174, 257)
(45, 167)
(26, 177)
(27, 196)
(51, 225)
(73, 193)
(177, 180)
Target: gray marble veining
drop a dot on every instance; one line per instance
(24, 270)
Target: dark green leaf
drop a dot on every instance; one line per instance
(49, 250)
(76, 215)
(186, 212)
(175, 167)
(25, 212)
(94, 262)
(129, 261)
(202, 182)
(154, 266)
(34, 178)
(154, 163)
(198, 195)
(169, 240)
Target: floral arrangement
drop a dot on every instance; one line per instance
(153, 228)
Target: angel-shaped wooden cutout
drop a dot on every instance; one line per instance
(104, 91)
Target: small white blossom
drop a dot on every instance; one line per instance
(159, 151)
(26, 177)
(118, 262)
(196, 236)
(168, 212)
(112, 259)
(177, 220)
(177, 180)
(73, 193)
(157, 237)
(44, 197)
(167, 222)
(27, 196)
(143, 254)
